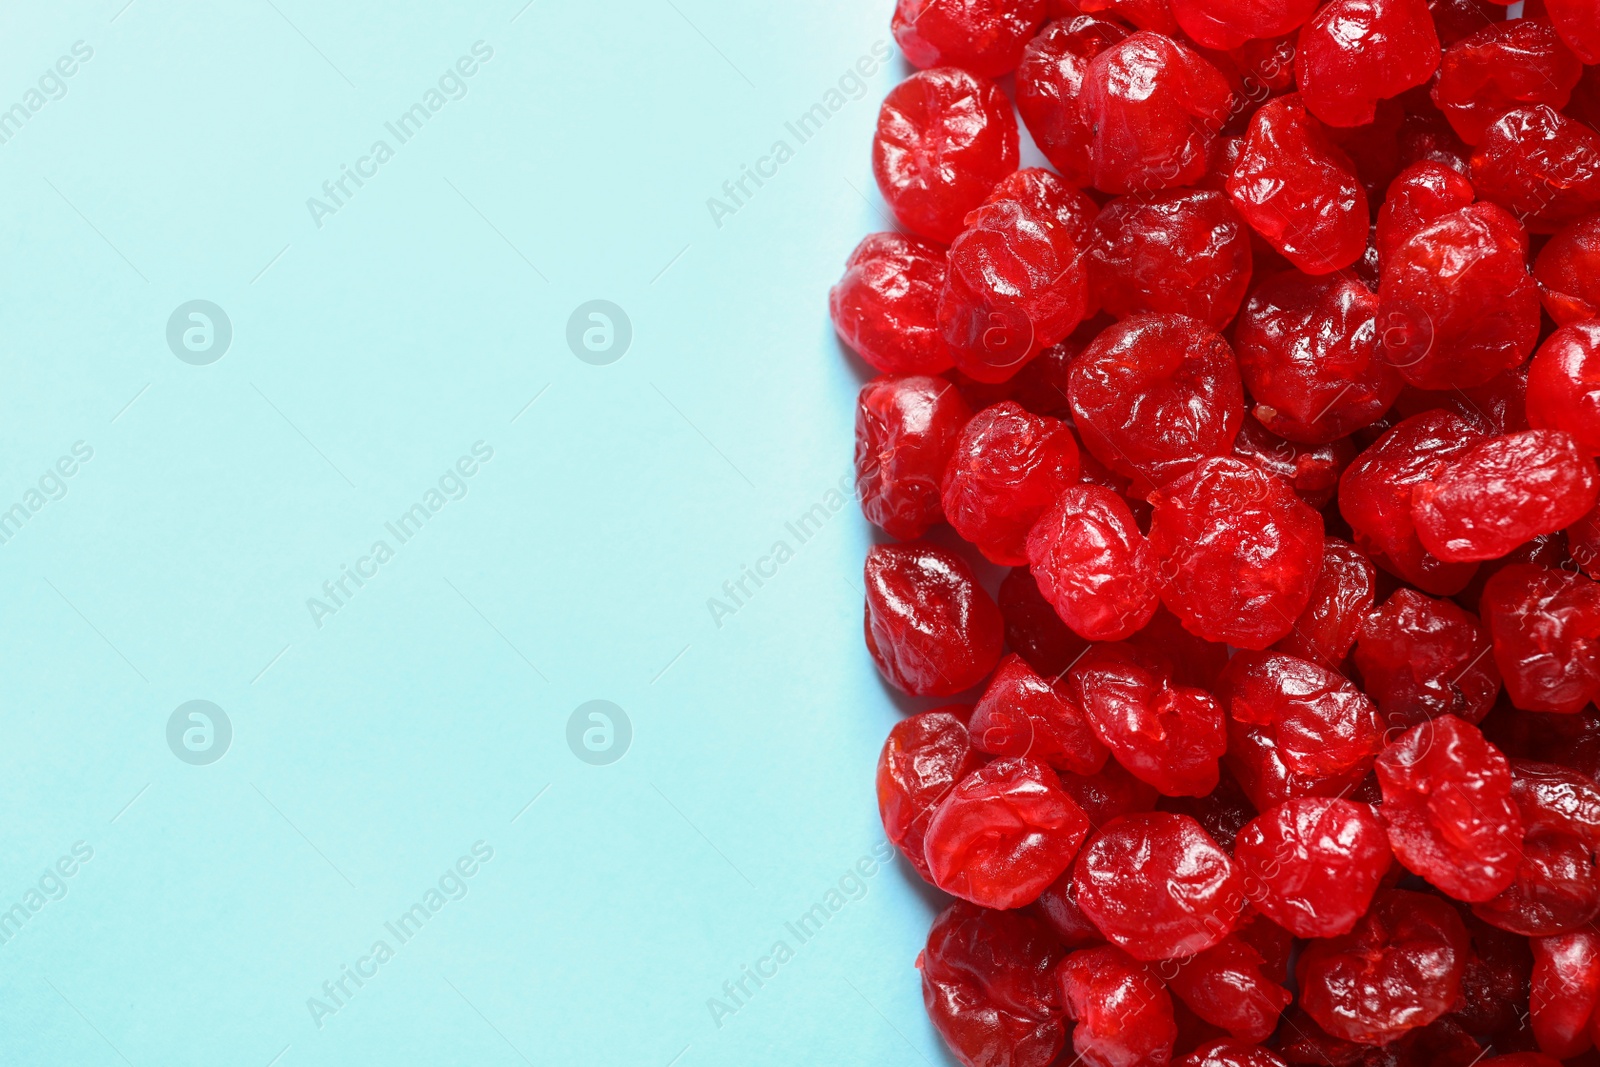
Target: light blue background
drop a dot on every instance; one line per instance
(372, 752)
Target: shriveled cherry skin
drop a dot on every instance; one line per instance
(1313, 864)
(1225, 985)
(1153, 106)
(1568, 272)
(1167, 735)
(1501, 67)
(1375, 497)
(930, 628)
(1494, 987)
(1153, 15)
(1228, 24)
(1022, 714)
(1007, 467)
(1442, 1043)
(1124, 1014)
(1456, 303)
(1556, 889)
(886, 307)
(1299, 190)
(1421, 658)
(1004, 833)
(1158, 886)
(1033, 628)
(984, 37)
(1447, 804)
(1503, 492)
(1308, 351)
(1539, 165)
(1230, 1054)
(1109, 792)
(1321, 723)
(1016, 285)
(1093, 564)
(1578, 22)
(1195, 661)
(1354, 53)
(1239, 552)
(1043, 191)
(1175, 251)
(944, 138)
(988, 981)
(1156, 394)
(1398, 969)
(1564, 384)
(1304, 1042)
(925, 756)
(1421, 194)
(1058, 909)
(1049, 86)
(1345, 591)
(1311, 470)
(1545, 623)
(906, 430)
(1566, 987)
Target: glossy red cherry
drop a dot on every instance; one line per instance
(1006, 468)
(1176, 251)
(1501, 67)
(886, 307)
(1344, 593)
(984, 37)
(923, 759)
(1545, 624)
(1049, 90)
(1539, 165)
(930, 628)
(1566, 988)
(1022, 714)
(906, 430)
(1354, 53)
(1313, 864)
(1568, 272)
(1004, 833)
(1564, 385)
(1320, 723)
(1421, 658)
(1579, 25)
(1124, 1014)
(1228, 24)
(1092, 563)
(1226, 985)
(944, 139)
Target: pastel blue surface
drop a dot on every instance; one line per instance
(421, 718)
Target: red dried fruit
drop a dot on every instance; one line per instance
(1045, 193)
(988, 980)
(1167, 735)
(886, 307)
(1502, 67)
(1016, 285)
(923, 759)
(1421, 658)
(1109, 792)
(1239, 552)
(984, 37)
(930, 629)
(1564, 385)
(1447, 804)
(1058, 909)
(1034, 629)
(1545, 624)
(1375, 497)
(1313, 864)
(1124, 1015)
(1022, 714)
(1354, 53)
(1539, 165)
(1007, 467)
(1153, 107)
(944, 139)
(1173, 252)
(1344, 593)
(1228, 24)
(1494, 987)
(1230, 1054)
(1321, 724)
(1308, 351)
(1092, 563)
(1154, 15)
(1004, 833)
(906, 430)
(1456, 304)
(1566, 987)
(1299, 190)
(1225, 986)
(1195, 661)
(1049, 84)
(1400, 968)
(1556, 889)
(1503, 492)
(1311, 470)
(1158, 886)
(1568, 272)
(1156, 394)
(1578, 22)
(1421, 194)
